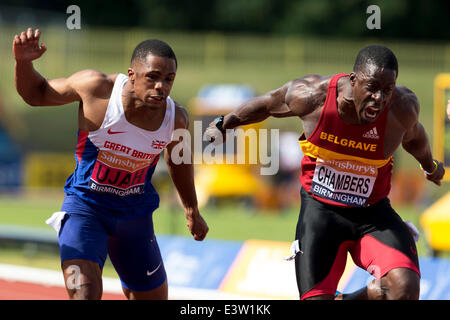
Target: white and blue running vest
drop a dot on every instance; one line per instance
(115, 164)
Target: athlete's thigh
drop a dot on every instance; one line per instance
(138, 262)
(386, 244)
(324, 237)
(83, 236)
(83, 246)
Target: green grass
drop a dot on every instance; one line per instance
(230, 222)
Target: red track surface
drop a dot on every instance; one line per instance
(14, 290)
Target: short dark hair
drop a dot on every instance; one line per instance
(155, 47)
(378, 55)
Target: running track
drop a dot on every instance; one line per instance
(17, 290)
(25, 283)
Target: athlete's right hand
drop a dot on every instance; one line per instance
(196, 224)
(213, 134)
(26, 45)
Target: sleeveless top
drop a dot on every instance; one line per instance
(114, 164)
(343, 164)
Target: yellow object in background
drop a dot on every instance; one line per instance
(236, 179)
(48, 170)
(260, 270)
(436, 224)
(441, 134)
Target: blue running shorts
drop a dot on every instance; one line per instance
(89, 232)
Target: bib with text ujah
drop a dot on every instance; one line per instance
(345, 181)
(119, 175)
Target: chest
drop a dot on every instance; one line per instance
(386, 137)
(128, 141)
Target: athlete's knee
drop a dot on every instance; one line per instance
(402, 284)
(159, 293)
(86, 292)
(82, 279)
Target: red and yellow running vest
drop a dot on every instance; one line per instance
(344, 164)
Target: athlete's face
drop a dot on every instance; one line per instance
(152, 79)
(372, 90)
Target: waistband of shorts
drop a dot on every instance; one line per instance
(383, 202)
(75, 204)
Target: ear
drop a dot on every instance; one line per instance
(131, 75)
(352, 78)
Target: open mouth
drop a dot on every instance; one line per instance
(372, 112)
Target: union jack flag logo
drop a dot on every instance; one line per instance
(157, 144)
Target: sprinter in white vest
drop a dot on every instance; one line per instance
(124, 123)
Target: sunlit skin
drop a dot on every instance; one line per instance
(372, 90)
(151, 81)
(144, 96)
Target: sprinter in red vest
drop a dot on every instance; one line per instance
(352, 124)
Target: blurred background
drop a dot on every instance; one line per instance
(256, 44)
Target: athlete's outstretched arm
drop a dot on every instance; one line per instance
(182, 174)
(36, 90)
(296, 98)
(259, 108)
(33, 87)
(416, 142)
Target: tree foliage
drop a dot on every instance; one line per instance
(407, 19)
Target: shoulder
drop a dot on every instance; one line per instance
(181, 117)
(311, 81)
(307, 93)
(405, 106)
(93, 82)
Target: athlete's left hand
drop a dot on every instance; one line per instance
(437, 176)
(196, 224)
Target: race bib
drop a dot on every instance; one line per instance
(119, 175)
(345, 181)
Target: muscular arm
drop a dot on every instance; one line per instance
(417, 144)
(182, 175)
(415, 141)
(31, 86)
(36, 90)
(295, 99)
